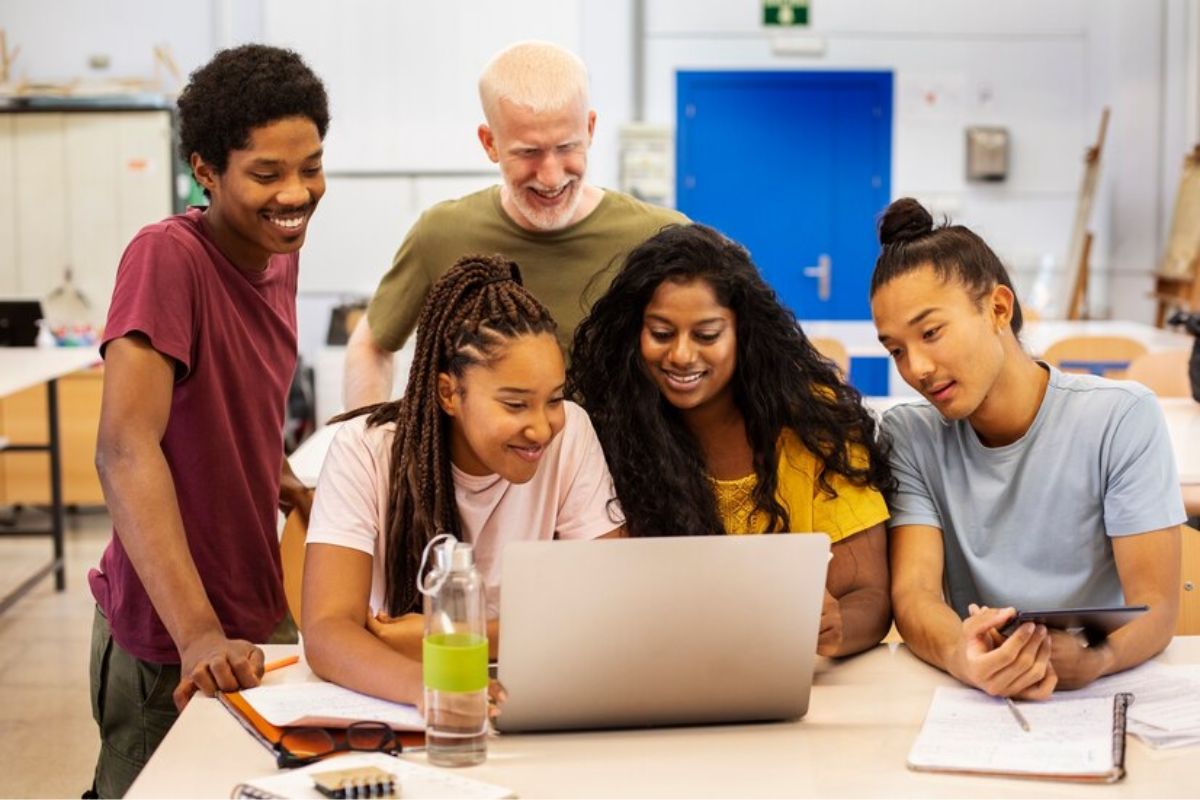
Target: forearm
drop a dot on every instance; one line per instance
(369, 370)
(1137, 642)
(931, 629)
(866, 615)
(346, 653)
(140, 494)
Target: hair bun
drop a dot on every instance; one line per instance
(904, 221)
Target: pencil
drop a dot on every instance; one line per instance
(1017, 715)
(281, 663)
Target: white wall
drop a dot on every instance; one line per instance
(1042, 69)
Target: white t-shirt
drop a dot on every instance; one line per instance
(568, 498)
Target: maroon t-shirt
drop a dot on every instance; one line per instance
(232, 336)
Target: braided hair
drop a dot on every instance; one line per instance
(471, 312)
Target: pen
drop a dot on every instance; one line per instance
(1017, 715)
(281, 663)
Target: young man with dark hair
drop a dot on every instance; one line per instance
(199, 351)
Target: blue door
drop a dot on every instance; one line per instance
(796, 166)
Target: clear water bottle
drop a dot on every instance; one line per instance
(455, 653)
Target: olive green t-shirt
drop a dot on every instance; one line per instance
(566, 269)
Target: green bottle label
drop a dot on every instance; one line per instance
(455, 662)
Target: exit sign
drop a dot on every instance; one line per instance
(785, 13)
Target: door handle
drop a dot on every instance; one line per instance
(823, 272)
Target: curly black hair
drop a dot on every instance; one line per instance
(243, 88)
(780, 381)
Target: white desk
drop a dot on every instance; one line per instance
(1182, 413)
(864, 716)
(861, 338)
(21, 368)
(1183, 422)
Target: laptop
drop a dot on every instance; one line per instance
(18, 322)
(681, 630)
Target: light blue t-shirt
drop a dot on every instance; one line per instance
(1028, 524)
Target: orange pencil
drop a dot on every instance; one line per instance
(281, 663)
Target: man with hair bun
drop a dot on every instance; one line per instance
(199, 352)
(1018, 486)
(545, 215)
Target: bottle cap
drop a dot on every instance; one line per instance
(454, 556)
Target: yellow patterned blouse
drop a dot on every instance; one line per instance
(855, 508)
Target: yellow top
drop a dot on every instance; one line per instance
(855, 508)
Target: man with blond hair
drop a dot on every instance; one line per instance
(562, 231)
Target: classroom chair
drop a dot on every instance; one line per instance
(1165, 374)
(1107, 356)
(835, 351)
(1189, 592)
(291, 552)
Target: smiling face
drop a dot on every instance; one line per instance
(689, 344)
(946, 345)
(262, 202)
(504, 413)
(543, 159)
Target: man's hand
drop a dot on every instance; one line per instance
(1074, 661)
(293, 494)
(403, 634)
(213, 663)
(829, 640)
(1018, 666)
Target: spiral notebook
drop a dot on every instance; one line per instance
(967, 731)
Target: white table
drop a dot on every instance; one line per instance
(22, 368)
(1182, 413)
(861, 339)
(864, 715)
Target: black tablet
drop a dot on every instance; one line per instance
(1096, 622)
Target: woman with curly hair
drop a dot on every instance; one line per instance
(717, 416)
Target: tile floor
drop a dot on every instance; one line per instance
(48, 741)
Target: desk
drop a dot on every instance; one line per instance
(1182, 414)
(862, 344)
(21, 368)
(863, 718)
(1183, 423)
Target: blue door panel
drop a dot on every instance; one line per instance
(793, 165)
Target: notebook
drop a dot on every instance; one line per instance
(412, 780)
(968, 731)
(266, 716)
(663, 631)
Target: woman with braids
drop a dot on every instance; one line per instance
(718, 416)
(482, 445)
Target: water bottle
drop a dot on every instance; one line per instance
(455, 654)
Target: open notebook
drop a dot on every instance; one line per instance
(1068, 739)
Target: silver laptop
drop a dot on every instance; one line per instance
(666, 631)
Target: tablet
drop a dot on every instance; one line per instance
(1096, 622)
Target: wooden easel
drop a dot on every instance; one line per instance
(1081, 238)
(1177, 283)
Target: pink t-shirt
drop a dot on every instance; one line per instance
(568, 498)
(232, 336)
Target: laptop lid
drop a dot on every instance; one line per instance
(18, 322)
(664, 631)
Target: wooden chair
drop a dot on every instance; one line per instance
(1165, 374)
(1108, 356)
(835, 351)
(291, 552)
(1189, 592)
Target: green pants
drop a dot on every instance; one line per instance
(132, 705)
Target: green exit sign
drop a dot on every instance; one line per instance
(785, 13)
